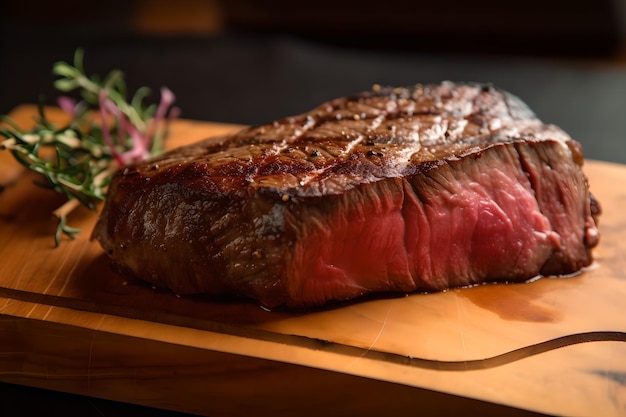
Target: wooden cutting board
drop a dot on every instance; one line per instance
(68, 323)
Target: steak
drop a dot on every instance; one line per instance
(393, 190)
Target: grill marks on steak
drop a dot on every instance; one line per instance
(391, 132)
(429, 188)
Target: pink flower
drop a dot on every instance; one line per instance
(142, 141)
(67, 104)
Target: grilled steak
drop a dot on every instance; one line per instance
(392, 190)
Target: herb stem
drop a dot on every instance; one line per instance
(65, 209)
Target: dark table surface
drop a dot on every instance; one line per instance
(249, 79)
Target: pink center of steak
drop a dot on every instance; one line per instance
(451, 227)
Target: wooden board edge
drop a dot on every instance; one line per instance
(204, 382)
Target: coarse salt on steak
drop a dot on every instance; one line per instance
(392, 190)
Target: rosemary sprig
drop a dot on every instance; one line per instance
(106, 131)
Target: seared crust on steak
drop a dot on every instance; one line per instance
(395, 189)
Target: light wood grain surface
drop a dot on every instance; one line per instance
(67, 322)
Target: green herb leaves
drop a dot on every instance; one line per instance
(106, 131)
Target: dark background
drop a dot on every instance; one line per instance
(248, 62)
